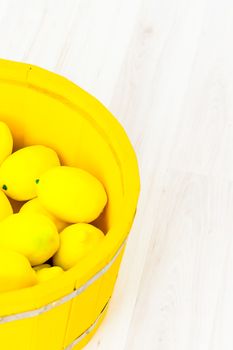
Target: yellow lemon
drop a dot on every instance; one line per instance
(34, 206)
(71, 194)
(41, 266)
(47, 273)
(5, 206)
(33, 235)
(6, 142)
(76, 241)
(15, 271)
(21, 170)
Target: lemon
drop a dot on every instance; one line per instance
(34, 206)
(21, 170)
(71, 194)
(15, 271)
(41, 266)
(76, 241)
(33, 235)
(6, 142)
(47, 273)
(5, 206)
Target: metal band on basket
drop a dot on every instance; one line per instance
(88, 331)
(66, 298)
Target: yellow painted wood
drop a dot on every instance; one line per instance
(83, 312)
(17, 335)
(107, 284)
(49, 328)
(88, 337)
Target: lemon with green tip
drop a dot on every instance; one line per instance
(33, 235)
(35, 206)
(76, 241)
(47, 273)
(71, 194)
(15, 271)
(6, 141)
(21, 170)
(5, 206)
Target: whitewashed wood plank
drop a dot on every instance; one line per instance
(96, 45)
(186, 263)
(203, 142)
(165, 70)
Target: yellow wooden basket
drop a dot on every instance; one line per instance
(43, 108)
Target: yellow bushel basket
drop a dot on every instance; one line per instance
(43, 108)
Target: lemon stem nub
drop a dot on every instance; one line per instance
(37, 181)
(4, 187)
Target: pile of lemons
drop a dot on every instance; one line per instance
(45, 213)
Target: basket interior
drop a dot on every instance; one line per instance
(36, 117)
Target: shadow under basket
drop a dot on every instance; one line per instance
(43, 108)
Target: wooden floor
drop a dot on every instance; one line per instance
(165, 69)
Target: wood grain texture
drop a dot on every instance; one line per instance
(165, 69)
